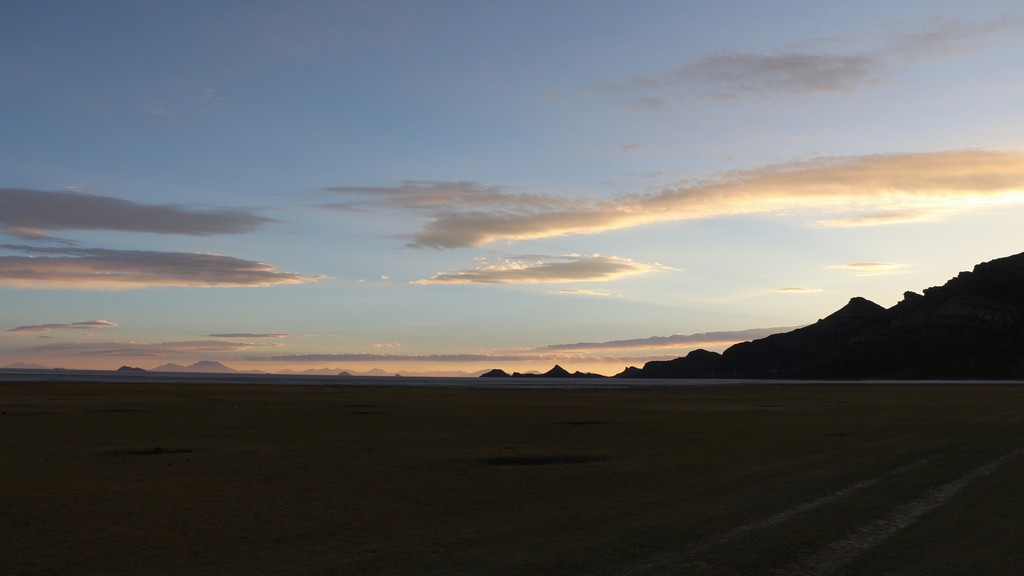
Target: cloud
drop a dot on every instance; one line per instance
(674, 341)
(34, 213)
(796, 290)
(880, 219)
(252, 335)
(433, 194)
(797, 72)
(947, 37)
(89, 325)
(144, 349)
(586, 292)
(539, 358)
(386, 345)
(538, 269)
(363, 357)
(869, 267)
(856, 190)
(734, 75)
(99, 269)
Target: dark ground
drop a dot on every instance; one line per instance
(769, 479)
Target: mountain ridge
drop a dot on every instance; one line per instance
(202, 366)
(970, 327)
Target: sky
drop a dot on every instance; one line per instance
(445, 186)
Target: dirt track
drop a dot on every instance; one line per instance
(207, 479)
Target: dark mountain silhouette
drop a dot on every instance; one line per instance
(130, 369)
(555, 372)
(207, 366)
(496, 373)
(970, 327)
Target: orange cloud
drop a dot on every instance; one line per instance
(539, 269)
(860, 191)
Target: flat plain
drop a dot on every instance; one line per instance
(160, 479)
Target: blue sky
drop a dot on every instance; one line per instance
(455, 186)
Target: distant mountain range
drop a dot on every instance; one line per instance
(24, 366)
(212, 367)
(203, 366)
(970, 327)
(556, 372)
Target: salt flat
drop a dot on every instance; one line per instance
(157, 478)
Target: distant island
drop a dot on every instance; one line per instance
(970, 327)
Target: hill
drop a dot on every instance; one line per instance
(23, 366)
(555, 372)
(970, 327)
(207, 366)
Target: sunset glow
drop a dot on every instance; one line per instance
(446, 188)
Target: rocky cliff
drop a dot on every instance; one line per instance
(970, 327)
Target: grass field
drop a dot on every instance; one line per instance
(791, 479)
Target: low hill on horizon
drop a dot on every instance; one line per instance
(207, 366)
(970, 327)
(555, 372)
(25, 366)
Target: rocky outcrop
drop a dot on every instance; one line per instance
(496, 373)
(970, 327)
(556, 372)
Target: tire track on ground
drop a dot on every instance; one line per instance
(841, 552)
(695, 548)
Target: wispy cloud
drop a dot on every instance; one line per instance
(616, 352)
(540, 359)
(854, 191)
(797, 290)
(735, 75)
(790, 72)
(870, 267)
(363, 357)
(34, 213)
(674, 341)
(144, 349)
(881, 218)
(99, 269)
(89, 325)
(538, 269)
(586, 292)
(430, 195)
(253, 335)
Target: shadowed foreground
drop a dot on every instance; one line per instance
(230, 479)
